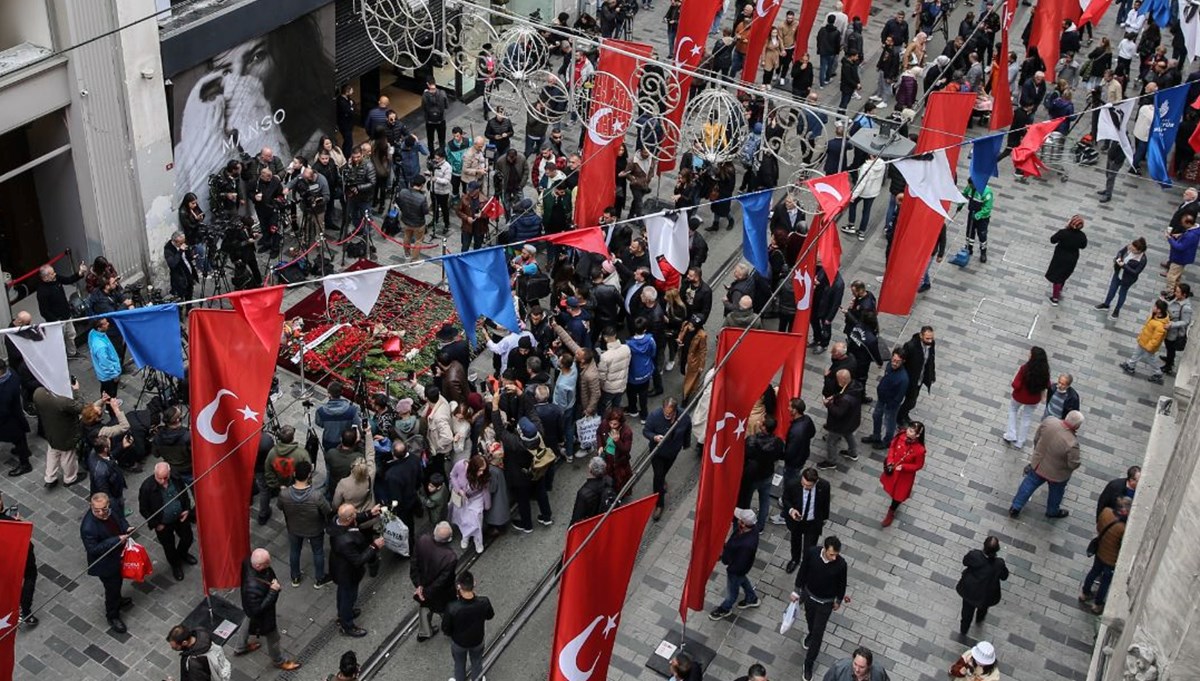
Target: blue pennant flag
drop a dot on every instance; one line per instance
(985, 159)
(480, 286)
(755, 208)
(153, 337)
(1159, 11)
(1168, 111)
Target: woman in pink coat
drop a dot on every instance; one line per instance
(906, 456)
(470, 498)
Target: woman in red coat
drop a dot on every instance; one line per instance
(905, 457)
(618, 441)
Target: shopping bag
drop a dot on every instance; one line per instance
(135, 562)
(789, 616)
(395, 536)
(585, 431)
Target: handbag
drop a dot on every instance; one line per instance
(959, 669)
(135, 562)
(585, 431)
(1094, 545)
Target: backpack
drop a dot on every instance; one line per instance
(218, 664)
(543, 456)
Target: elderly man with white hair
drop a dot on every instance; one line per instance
(432, 572)
(351, 552)
(260, 594)
(53, 303)
(1055, 458)
(164, 502)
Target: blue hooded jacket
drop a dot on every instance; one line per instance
(105, 359)
(641, 362)
(893, 386)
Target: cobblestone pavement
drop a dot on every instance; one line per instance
(901, 580)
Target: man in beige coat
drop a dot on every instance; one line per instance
(1055, 457)
(614, 370)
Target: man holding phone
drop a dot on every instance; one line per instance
(104, 533)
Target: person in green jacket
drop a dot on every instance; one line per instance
(979, 214)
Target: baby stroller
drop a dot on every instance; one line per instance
(1085, 151)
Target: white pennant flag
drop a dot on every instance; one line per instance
(1113, 124)
(668, 238)
(931, 181)
(1189, 23)
(360, 288)
(45, 353)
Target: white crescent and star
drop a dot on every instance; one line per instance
(6, 621)
(737, 435)
(762, 12)
(804, 279)
(568, 657)
(594, 133)
(826, 188)
(679, 50)
(204, 420)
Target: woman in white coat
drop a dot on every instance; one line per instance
(869, 184)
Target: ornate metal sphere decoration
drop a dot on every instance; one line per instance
(791, 136)
(714, 126)
(469, 38)
(619, 112)
(402, 31)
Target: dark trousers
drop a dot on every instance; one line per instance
(110, 387)
(660, 465)
(176, 539)
(347, 596)
(637, 394)
(536, 490)
(816, 615)
(347, 140)
(435, 129)
(112, 595)
(822, 331)
(970, 612)
(441, 207)
(28, 586)
(805, 534)
(1171, 346)
(460, 654)
(910, 403)
(21, 449)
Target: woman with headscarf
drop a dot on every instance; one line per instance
(1068, 242)
(906, 88)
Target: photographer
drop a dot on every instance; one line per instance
(225, 192)
(191, 221)
(180, 267)
(441, 178)
(268, 194)
(311, 190)
(239, 245)
(358, 179)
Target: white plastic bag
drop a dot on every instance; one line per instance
(395, 536)
(789, 616)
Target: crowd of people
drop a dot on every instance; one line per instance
(599, 335)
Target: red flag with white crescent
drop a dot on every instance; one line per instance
(832, 193)
(695, 18)
(738, 384)
(592, 592)
(791, 382)
(1024, 156)
(614, 102)
(14, 542)
(230, 376)
(761, 22)
(1002, 106)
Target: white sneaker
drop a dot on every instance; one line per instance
(670, 364)
(466, 541)
(777, 519)
(479, 546)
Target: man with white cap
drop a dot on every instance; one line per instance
(978, 663)
(738, 557)
(858, 667)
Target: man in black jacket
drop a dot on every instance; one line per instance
(696, 295)
(163, 500)
(797, 445)
(667, 438)
(605, 304)
(432, 573)
(850, 82)
(260, 593)
(920, 361)
(193, 646)
(434, 104)
(827, 298)
(350, 552)
(822, 584)
(844, 410)
(179, 266)
(829, 44)
(838, 359)
(52, 300)
(103, 533)
(763, 449)
(738, 557)
(1121, 487)
(463, 622)
(401, 481)
(806, 508)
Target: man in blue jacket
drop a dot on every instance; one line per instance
(105, 360)
(667, 430)
(1183, 252)
(336, 416)
(104, 534)
(889, 396)
(738, 557)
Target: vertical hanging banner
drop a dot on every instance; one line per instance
(806, 19)
(756, 209)
(1047, 31)
(614, 103)
(230, 374)
(592, 592)
(1002, 105)
(736, 387)
(14, 542)
(857, 8)
(480, 287)
(760, 29)
(695, 18)
(918, 226)
(1168, 112)
(791, 382)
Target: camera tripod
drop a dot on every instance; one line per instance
(160, 386)
(218, 260)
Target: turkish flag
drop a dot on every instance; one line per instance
(740, 380)
(1095, 11)
(1047, 31)
(829, 247)
(792, 380)
(592, 591)
(857, 8)
(14, 542)
(695, 18)
(614, 102)
(1024, 156)
(590, 239)
(806, 19)
(832, 193)
(230, 376)
(1002, 106)
(918, 226)
(760, 29)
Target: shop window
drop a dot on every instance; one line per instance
(25, 35)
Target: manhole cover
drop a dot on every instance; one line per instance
(1002, 317)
